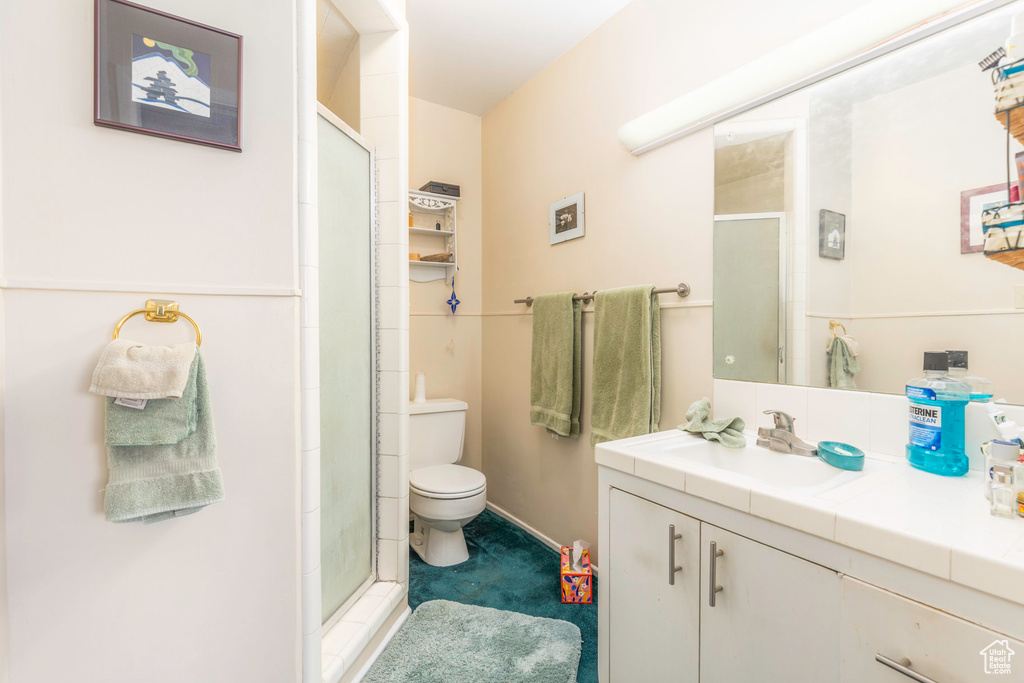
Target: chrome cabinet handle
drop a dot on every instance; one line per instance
(903, 666)
(672, 566)
(713, 587)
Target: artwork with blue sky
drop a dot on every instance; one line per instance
(170, 77)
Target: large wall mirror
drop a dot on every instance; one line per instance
(853, 207)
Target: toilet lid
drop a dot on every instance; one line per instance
(446, 480)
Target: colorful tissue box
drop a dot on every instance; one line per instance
(576, 586)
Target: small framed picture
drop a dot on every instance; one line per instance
(566, 218)
(831, 235)
(163, 75)
(972, 204)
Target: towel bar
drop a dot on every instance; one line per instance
(682, 289)
(160, 311)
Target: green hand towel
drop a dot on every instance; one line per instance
(842, 365)
(727, 431)
(555, 379)
(161, 421)
(155, 482)
(627, 364)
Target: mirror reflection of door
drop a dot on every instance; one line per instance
(749, 312)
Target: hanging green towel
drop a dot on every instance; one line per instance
(555, 379)
(727, 431)
(159, 421)
(842, 365)
(627, 364)
(154, 482)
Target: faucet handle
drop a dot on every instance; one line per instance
(782, 420)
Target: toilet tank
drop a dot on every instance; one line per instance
(437, 429)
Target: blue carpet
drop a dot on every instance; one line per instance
(511, 570)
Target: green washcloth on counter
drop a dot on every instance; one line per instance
(161, 421)
(842, 365)
(727, 431)
(154, 482)
(555, 380)
(627, 364)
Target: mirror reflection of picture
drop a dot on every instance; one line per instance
(565, 218)
(831, 235)
(972, 204)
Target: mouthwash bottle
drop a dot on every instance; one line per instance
(981, 388)
(937, 404)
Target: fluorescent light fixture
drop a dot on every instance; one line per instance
(782, 70)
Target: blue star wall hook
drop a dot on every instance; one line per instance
(453, 300)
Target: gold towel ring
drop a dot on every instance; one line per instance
(160, 311)
(833, 325)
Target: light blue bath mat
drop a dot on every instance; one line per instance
(447, 641)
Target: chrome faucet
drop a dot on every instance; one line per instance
(782, 439)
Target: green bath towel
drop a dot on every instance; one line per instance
(627, 364)
(555, 379)
(842, 365)
(149, 483)
(727, 431)
(162, 421)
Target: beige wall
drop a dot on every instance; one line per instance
(344, 99)
(444, 145)
(94, 222)
(648, 219)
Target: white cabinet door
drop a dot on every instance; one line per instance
(654, 622)
(776, 619)
(932, 644)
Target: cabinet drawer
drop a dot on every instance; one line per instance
(939, 647)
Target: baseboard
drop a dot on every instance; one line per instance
(546, 540)
(383, 644)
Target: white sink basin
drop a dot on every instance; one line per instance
(798, 473)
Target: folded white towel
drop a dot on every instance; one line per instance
(128, 369)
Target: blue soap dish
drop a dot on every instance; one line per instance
(841, 455)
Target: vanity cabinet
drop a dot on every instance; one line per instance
(656, 608)
(924, 641)
(776, 617)
(662, 623)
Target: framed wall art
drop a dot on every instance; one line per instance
(162, 75)
(831, 235)
(972, 204)
(565, 218)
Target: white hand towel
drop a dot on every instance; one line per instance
(128, 369)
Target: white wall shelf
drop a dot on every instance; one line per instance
(430, 231)
(441, 208)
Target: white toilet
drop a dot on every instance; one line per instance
(443, 496)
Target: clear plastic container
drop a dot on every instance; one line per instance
(1004, 497)
(1000, 453)
(982, 389)
(937, 403)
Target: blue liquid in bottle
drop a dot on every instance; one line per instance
(937, 404)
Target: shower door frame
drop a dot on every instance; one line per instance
(331, 118)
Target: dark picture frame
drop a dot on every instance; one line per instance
(831, 235)
(162, 75)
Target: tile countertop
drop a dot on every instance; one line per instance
(939, 525)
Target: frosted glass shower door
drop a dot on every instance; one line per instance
(347, 387)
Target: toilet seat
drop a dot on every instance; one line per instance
(446, 482)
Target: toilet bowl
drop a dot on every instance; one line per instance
(443, 496)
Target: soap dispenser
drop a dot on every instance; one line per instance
(937, 403)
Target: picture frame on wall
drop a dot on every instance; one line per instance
(566, 219)
(972, 204)
(831, 235)
(163, 75)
